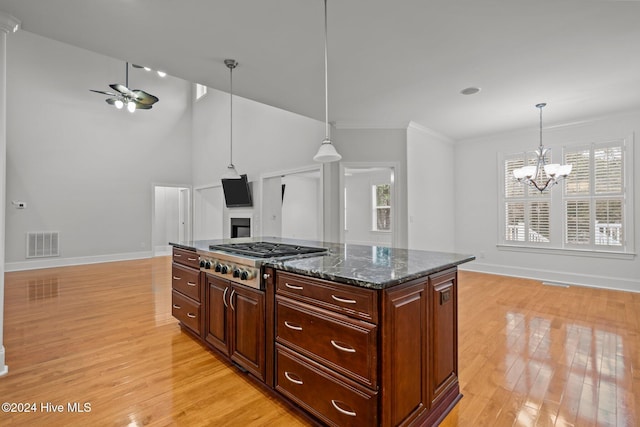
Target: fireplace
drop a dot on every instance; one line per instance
(240, 227)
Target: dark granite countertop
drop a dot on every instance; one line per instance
(375, 267)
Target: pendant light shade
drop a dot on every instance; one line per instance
(231, 172)
(327, 152)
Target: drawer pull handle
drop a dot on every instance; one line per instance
(293, 380)
(191, 315)
(290, 286)
(177, 278)
(192, 259)
(341, 348)
(177, 255)
(177, 307)
(347, 301)
(342, 411)
(191, 283)
(292, 326)
(224, 297)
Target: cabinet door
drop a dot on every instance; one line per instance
(247, 321)
(217, 331)
(444, 320)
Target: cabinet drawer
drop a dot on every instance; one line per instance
(186, 311)
(184, 257)
(346, 299)
(185, 280)
(346, 345)
(333, 400)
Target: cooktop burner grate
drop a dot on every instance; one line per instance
(267, 249)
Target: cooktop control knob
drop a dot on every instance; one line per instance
(236, 272)
(245, 275)
(207, 264)
(201, 263)
(218, 267)
(224, 269)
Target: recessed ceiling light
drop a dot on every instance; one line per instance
(470, 90)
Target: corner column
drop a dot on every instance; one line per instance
(8, 25)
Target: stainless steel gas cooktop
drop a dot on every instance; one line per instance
(267, 249)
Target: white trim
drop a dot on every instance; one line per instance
(370, 125)
(430, 132)
(572, 279)
(567, 251)
(65, 262)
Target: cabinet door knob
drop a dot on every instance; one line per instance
(265, 276)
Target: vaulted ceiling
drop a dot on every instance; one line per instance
(390, 62)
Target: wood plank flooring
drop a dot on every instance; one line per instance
(530, 355)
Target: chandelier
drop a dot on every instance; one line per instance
(533, 176)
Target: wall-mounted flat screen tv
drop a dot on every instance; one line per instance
(237, 192)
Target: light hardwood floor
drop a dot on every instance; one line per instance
(103, 334)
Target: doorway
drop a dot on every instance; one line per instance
(171, 220)
(368, 204)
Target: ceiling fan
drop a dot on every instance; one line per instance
(135, 99)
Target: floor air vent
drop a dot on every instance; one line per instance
(42, 244)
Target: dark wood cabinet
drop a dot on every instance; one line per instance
(235, 323)
(397, 368)
(187, 293)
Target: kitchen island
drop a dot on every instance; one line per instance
(359, 335)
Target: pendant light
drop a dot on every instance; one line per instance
(554, 172)
(231, 173)
(327, 152)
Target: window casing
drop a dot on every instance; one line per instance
(588, 211)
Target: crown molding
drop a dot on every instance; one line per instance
(430, 132)
(370, 125)
(8, 23)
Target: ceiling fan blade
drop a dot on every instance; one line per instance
(111, 101)
(136, 66)
(144, 97)
(121, 88)
(103, 92)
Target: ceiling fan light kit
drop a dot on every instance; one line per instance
(135, 99)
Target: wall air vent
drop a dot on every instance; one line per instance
(42, 244)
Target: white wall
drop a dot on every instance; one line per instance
(477, 190)
(301, 207)
(265, 139)
(430, 190)
(84, 168)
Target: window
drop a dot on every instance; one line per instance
(527, 211)
(201, 90)
(381, 207)
(589, 211)
(594, 196)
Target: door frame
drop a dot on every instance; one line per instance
(187, 213)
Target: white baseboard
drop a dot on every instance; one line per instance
(64, 262)
(574, 279)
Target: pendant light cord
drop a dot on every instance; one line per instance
(231, 115)
(326, 78)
